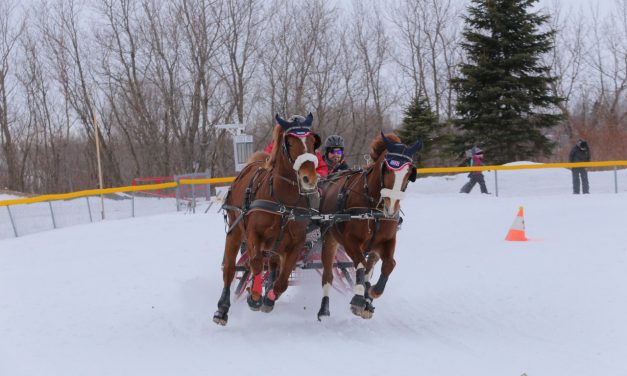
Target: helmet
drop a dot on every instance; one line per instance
(476, 150)
(334, 141)
(582, 144)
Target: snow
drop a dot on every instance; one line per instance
(136, 296)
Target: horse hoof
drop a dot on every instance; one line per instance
(323, 315)
(358, 304)
(253, 304)
(368, 311)
(268, 305)
(220, 318)
(324, 309)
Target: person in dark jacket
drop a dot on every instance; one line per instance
(580, 153)
(334, 154)
(475, 176)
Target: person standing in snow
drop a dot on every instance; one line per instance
(580, 153)
(476, 159)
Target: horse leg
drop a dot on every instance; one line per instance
(288, 261)
(358, 302)
(231, 248)
(255, 265)
(368, 311)
(388, 264)
(273, 267)
(327, 255)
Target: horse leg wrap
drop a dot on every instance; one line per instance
(369, 308)
(257, 284)
(225, 300)
(377, 290)
(324, 308)
(221, 316)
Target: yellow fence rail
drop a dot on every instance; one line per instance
(224, 180)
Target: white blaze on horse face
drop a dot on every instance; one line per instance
(304, 141)
(395, 194)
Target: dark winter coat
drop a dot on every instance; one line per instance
(579, 155)
(339, 167)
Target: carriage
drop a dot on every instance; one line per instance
(276, 198)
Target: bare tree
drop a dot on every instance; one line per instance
(243, 28)
(9, 36)
(428, 53)
(64, 36)
(567, 61)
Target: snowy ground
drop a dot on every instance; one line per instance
(135, 296)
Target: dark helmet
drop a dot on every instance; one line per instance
(334, 141)
(582, 144)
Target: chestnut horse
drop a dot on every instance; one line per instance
(267, 210)
(374, 195)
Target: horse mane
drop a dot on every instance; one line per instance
(258, 156)
(377, 147)
(277, 133)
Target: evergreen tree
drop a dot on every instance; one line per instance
(504, 103)
(421, 123)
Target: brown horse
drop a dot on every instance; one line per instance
(267, 210)
(372, 198)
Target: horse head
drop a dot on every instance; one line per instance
(297, 144)
(397, 171)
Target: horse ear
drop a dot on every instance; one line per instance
(284, 124)
(317, 141)
(413, 174)
(308, 120)
(388, 144)
(414, 148)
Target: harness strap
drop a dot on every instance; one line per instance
(293, 213)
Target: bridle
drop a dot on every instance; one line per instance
(400, 165)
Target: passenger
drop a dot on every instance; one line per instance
(334, 154)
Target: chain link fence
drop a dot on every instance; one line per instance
(195, 193)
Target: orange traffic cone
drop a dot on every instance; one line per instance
(517, 231)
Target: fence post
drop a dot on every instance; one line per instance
(91, 219)
(54, 223)
(496, 183)
(178, 194)
(193, 198)
(615, 181)
(12, 223)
